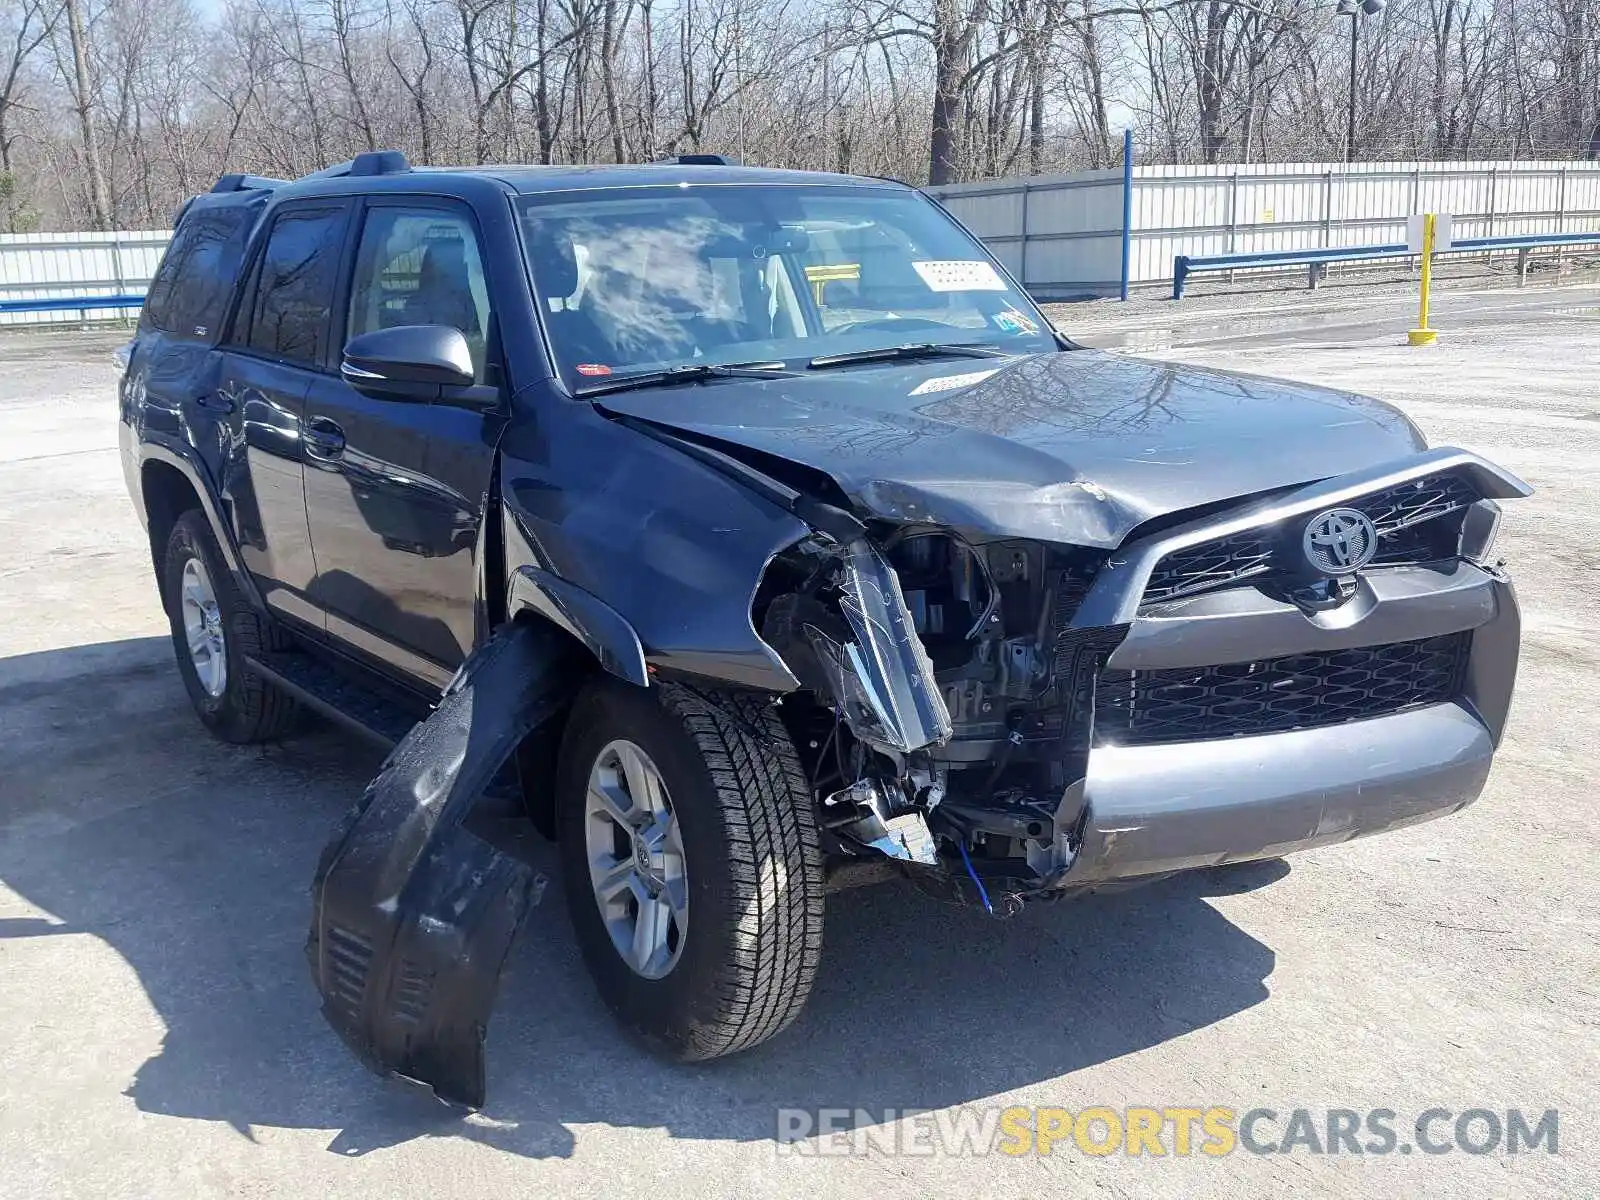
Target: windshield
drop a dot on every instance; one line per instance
(643, 279)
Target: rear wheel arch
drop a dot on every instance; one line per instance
(167, 493)
(238, 705)
(171, 484)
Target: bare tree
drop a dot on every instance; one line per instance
(30, 26)
(84, 103)
(134, 104)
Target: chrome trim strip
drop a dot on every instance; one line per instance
(386, 651)
(1115, 595)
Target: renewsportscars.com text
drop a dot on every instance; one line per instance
(1157, 1132)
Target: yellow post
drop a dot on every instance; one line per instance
(1422, 335)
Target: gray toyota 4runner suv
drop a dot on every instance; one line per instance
(756, 530)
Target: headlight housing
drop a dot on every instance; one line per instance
(1478, 531)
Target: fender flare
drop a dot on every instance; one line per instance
(181, 458)
(602, 629)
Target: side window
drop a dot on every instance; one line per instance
(190, 289)
(158, 307)
(294, 285)
(209, 272)
(418, 266)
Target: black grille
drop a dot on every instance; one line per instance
(1221, 563)
(1407, 518)
(1275, 695)
(1420, 500)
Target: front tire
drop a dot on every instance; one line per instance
(710, 945)
(214, 631)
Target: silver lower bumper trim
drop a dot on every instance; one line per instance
(1153, 809)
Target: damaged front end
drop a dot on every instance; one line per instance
(1207, 693)
(945, 705)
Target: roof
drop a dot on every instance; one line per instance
(528, 179)
(388, 171)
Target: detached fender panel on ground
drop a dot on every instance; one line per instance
(412, 916)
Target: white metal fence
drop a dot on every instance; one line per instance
(44, 266)
(1062, 234)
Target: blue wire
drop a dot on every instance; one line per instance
(982, 892)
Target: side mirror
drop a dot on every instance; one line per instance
(408, 362)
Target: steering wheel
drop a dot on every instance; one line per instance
(891, 325)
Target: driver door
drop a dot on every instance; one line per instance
(395, 489)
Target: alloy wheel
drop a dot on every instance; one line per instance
(634, 848)
(202, 627)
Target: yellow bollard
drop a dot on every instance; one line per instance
(1422, 335)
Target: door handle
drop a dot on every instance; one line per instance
(323, 438)
(214, 402)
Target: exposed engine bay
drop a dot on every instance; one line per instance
(946, 702)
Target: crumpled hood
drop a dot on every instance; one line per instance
(1079, 447)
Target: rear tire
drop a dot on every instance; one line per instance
(204, 606)
(747, 838)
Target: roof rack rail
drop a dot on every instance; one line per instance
(372, 162)
(380, 162)
(698, 160)
(242, 183)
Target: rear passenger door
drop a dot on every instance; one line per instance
(171, 377)
(277, 345)
(395, 489)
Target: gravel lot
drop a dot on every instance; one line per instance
(159, 1035)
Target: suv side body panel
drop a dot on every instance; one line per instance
(261, 479)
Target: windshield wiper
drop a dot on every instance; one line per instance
(916, 350)
(685, 373)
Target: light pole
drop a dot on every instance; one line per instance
(1355, 10)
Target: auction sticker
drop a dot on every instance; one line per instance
(1014, 322)
(960, 275)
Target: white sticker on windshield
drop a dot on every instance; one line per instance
(960, 275)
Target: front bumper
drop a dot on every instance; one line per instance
(1148, 810)
(1156, 809)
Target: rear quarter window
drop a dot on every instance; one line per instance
(189, 294)
(291, 295)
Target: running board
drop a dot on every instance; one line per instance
(330, 693)
(365, 711)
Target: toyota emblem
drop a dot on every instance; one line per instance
(1340, 541)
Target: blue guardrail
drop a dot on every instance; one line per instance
(70, 304)
(1184, 265)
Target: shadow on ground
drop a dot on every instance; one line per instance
(192, 860)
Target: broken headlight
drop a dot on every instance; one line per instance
(882, 677)
(1478, 531)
